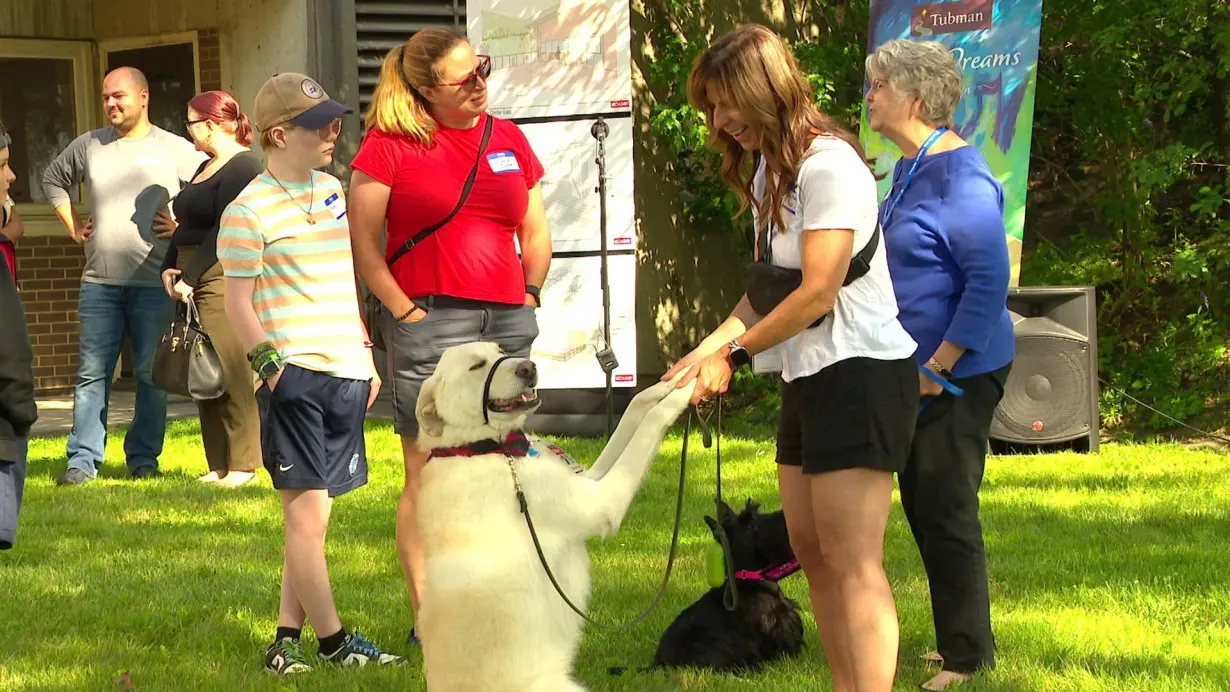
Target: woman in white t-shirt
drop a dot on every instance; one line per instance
(850, 392)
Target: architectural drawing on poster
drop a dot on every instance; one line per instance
(570, 323)
(552, 58)
(569, 152)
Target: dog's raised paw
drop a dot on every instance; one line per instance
(650, 397)
(677, 401)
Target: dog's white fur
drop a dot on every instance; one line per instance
(490, 620)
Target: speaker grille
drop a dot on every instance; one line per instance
(1046, 398)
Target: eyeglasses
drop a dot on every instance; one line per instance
(483, 70)
(333, 129)
(189, 123)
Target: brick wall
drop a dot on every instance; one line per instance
(211, 61)
(49, 276)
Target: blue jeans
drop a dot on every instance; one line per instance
(12, 482)
(107, 313)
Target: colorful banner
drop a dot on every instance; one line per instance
(996, 43)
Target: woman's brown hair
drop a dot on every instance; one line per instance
(753, 71)
(397, 106)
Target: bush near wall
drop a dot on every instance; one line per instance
(1129, 174)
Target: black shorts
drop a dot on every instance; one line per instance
(312, 431)
(856, 413)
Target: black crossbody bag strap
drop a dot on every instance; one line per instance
(465, 192)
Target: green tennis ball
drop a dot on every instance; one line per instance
(715, 565)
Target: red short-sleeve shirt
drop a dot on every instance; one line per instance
(474, 256)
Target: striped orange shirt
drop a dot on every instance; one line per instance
(305, 294)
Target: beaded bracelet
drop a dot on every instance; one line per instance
(413, 307)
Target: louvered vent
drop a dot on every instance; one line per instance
(384, 24)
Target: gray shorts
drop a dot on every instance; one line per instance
(414, 349)
(12, 482)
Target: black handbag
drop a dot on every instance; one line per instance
(373, 306)
(768, 284)
(186, 362)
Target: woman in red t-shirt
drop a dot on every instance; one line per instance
(464, 282)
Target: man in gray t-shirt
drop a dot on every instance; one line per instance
(131, 170)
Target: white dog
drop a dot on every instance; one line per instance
(490, 619)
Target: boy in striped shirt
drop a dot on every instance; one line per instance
(284, 245)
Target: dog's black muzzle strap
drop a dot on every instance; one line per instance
(487, 387)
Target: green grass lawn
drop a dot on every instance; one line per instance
(1109, 572)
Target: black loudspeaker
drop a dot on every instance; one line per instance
(1051, 396)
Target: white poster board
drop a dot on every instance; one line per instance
(554, 57)
(570, 323)
(568, 151)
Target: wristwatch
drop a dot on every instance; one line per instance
(738, 355)
(269, 368)
(536, 292)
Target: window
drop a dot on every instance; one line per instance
(45, 103)
(169, 63)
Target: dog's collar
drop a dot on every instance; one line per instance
(515, 445)
(771, 574)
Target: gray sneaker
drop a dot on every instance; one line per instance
(285, 657)
(73, 477)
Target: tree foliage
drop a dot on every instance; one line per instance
(1129, 186)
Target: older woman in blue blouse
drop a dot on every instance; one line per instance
(948, 258)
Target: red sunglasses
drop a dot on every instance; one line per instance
(483, 70)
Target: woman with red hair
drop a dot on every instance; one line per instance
(230, 424)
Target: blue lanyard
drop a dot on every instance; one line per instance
(891, 206)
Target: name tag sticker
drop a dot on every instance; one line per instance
(334, 204)
(503, 162)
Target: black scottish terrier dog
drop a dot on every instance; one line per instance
(765, 626)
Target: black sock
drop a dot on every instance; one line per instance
(285, 632)
(330, 644)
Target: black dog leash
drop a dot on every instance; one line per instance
(670, 560)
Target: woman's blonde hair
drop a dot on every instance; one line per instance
(397, 106)
(753, 71)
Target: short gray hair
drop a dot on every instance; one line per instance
(922, 69)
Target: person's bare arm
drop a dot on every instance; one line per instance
(826, 257)
(369, 202)
(534, 235)
(242, 315)
(741, 319)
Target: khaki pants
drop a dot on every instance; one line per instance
(230, 424)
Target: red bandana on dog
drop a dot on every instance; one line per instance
(515, 445)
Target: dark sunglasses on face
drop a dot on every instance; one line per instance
(483, 70)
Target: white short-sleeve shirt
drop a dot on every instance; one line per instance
(836, 190)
